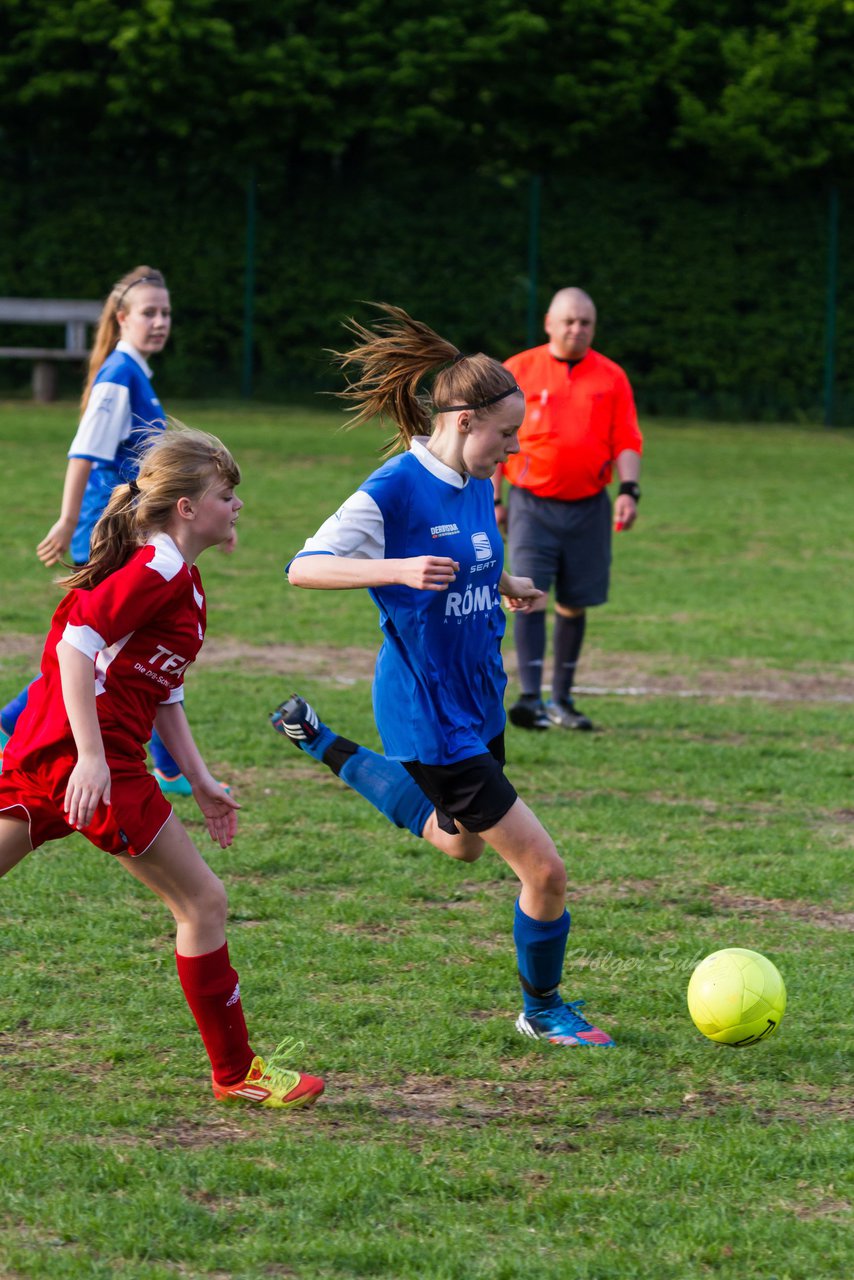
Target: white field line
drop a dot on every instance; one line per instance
(650, 691)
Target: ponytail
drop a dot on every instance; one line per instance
(114, 539)
(395, 356)
(107, 331)
(177, 463)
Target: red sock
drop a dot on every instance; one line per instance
(213, 994)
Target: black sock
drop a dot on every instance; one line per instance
(568, 638)
(529, 631)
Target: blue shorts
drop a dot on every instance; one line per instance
(562, 544)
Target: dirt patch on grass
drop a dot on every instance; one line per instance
(440, 1102)
(721, 898)
(617, 674)
(728, 900)
(628, 674)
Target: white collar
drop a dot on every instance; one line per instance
(128, 350)
(167, 546)
(429, 461)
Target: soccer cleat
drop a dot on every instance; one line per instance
(297, 720)
(271, 1084)
(177, 786)
(563, 1026)
(529, 713)
(565, 714)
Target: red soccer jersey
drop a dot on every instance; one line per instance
(142, 627)
(577, 420)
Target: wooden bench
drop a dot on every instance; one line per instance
(75, 316)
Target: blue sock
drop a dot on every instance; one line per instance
(388, 787)
(12, 710)
(540, 948)
(321, 743)
(161, 757)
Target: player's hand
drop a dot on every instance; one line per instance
(218, 808)
(625, 511)
(55, 543)
(520, 595)
(428, 573)
(88, 785)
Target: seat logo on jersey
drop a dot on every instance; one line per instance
(482, 546)
(443, 530)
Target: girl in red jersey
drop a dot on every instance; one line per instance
(113, 666)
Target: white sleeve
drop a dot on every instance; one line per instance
(104, 425)
(86, 639)
(177, 695)
(356, 531)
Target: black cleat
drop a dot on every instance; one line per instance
(529, 713)
(297, 720)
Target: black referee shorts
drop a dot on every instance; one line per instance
(562, 544)
(473, 792)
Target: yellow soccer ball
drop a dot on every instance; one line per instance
(736, 997)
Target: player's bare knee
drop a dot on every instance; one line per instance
(548, 874)
(464, 851)
(210, 905)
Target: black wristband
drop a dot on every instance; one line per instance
(632, 488)
(499, 502)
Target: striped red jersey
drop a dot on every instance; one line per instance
(142, 627)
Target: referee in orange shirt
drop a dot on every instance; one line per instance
(580, 424)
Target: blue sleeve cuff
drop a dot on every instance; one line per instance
(299, 555)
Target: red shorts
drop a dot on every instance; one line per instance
(137, 811)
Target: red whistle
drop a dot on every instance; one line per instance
(618, 526)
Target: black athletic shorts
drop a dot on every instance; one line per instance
(475, 791)
(562, 544)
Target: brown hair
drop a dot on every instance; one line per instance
(178, 463)
(394, 357)
(107, 333)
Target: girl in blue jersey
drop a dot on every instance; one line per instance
(420, 534)
(120, 415)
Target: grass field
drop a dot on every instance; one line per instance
(715, 809)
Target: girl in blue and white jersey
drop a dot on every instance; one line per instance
(420, 535)
(121, 415)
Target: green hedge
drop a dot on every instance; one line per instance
(712, 297)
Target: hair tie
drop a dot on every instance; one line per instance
(134, 488)
(461, 355)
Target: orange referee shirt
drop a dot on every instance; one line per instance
(577, 420)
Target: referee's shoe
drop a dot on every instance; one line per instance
(529, 712)
(566, 715)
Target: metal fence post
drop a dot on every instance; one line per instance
(830, 304)
(533, 258)
(249, 290)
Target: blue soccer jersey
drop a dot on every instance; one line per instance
(439, 685)
(121, 414)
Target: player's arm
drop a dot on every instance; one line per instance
(105, 423)
(349, 550)
(57, 540)
(89, 782)
(219, 809)
(331, 572)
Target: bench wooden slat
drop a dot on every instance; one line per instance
(41, 353)
(48, 310)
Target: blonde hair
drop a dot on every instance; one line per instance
(177, 463)
(395, 356)
(108, 332)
